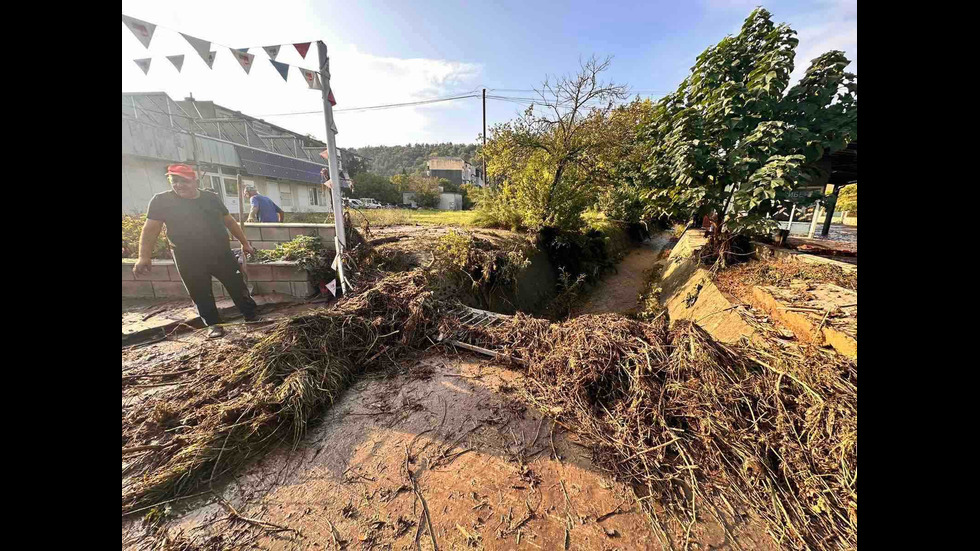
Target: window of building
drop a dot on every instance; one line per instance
(316, 196)
(216, 184)
(285, 195)
(231, 187)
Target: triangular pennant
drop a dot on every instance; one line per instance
(210, 59)
(316, 78)
(330, 97)
(242, 49)
(281, 67)
(143, 64)
(244, 59)
(272, 51)
(302, 48)
(202, 47)
(177, 60)
(309, 76)
(142, 29)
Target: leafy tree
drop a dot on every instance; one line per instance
(426, 188)
(367, 184)
(847, 199)
(732, 140)
(540, 161)
(388, 161)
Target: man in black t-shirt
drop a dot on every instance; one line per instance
(196, 222)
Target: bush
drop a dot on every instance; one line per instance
(308, 251)
(132, 225)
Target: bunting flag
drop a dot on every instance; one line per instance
(302, 48)
(244, 59)
(202, 47)
(177, 60)
(243, 50)
(318, 85)
(330, 97)
(272, 51)
(281, 67)
(210, 59)
(310, 77)
(142, 29)
(143, 64)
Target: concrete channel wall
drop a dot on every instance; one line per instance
(285, 278)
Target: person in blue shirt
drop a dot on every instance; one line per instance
(263, 208)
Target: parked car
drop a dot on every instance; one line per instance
(370, 203)
(355, 203)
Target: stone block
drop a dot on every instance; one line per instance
(174, 274)
(252, 233)
(169, 289)
(261, 245)
(327, 234)
(288, 273)
(275, 234)
(258, 272)
(296, 232)
(267, 287)
(127, 274)
(302, 289)
(157, 273)
(137, 288)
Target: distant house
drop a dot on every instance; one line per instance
(222, 144)
(447, 201)
(455, 170)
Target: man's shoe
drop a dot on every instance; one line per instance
(215, 332)
(253, 317)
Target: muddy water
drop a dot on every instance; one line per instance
(619, 292)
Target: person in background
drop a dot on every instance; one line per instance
(197, 227)
(263, 208)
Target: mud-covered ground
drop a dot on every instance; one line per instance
(492, 471)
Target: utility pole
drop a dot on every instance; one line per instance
(340, 238)
(483, 154)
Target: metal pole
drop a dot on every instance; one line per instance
(336, 191)
(791, 213)
(813, 223)
(483, 153)
(241, 200)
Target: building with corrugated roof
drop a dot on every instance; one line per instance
(222, 144)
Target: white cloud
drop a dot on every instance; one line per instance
(358, 78)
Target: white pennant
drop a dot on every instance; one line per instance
(202, 47)
(273, 51)
(244, 59)
(143, 64)
(318, 85)
(210, 59)
(311, 80)
(177, 60)
(142, 29)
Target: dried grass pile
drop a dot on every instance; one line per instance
(703, 429)
(781, 272)
(237, 409)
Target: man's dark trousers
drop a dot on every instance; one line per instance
(196, 270)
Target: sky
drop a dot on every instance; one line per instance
(401, 51)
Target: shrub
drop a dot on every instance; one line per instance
(132, 225)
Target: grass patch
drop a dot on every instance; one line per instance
(465, 218)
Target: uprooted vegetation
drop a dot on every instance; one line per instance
(780, 272)
(698, 428)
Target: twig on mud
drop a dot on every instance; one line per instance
(234, 514)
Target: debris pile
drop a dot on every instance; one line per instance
(237, 409)
(698, 427)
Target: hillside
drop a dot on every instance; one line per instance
(388, 160)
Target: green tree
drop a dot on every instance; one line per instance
(371, 185)
(731, 138)
(847, 199)
(540, 161)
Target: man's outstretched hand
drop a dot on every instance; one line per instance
(142, 266)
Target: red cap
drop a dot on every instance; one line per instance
(184, 171)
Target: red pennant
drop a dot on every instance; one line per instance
(302, 48)
(330, 97)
